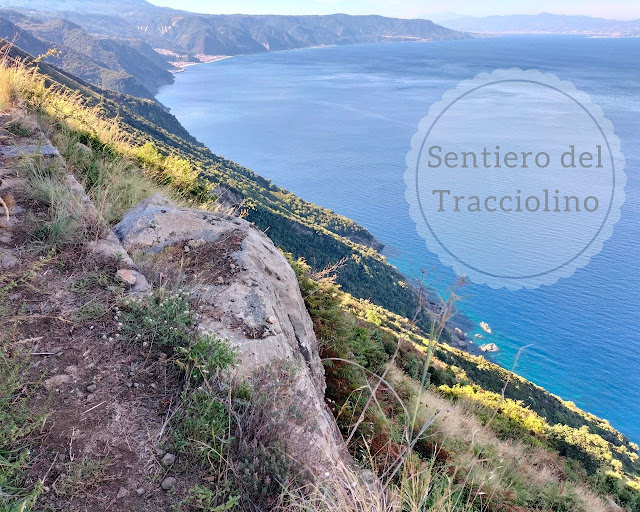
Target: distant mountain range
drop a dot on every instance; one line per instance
(544, 23)
(131, 45)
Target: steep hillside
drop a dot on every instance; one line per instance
(112, 383)
(133, 68)
(566, 447)
(121, 402)
(304, 229)
(137, 60)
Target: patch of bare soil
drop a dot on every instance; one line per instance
(199, 261)
(105, 401)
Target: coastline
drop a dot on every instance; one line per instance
(505, 336)
(178, 66)
(462, 328)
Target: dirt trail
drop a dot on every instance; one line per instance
(103, 403)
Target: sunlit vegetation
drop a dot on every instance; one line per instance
(508, 406)
(443, 431)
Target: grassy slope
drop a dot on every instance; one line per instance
(304, 229)
(528, 412)
(509, 408)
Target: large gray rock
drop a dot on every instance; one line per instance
(249, 294)
(46, 150)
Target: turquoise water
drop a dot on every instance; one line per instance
(333, 125)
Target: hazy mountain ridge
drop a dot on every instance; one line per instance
(544, 23)
(191, 33)
(236, 34)
(113, 54)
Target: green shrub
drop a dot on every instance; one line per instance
(18, 128)
(179, 172)
(204, 357)
(163, 319)
(590, 449)
(219, 499)
(264, 471)
(202, 426)
(17, 421)
(367, 350)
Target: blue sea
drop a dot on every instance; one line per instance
(334, 124)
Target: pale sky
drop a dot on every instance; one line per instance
(437, 9)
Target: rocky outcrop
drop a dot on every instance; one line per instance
(248, 293)
(489, 347)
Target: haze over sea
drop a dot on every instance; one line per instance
(333, 125)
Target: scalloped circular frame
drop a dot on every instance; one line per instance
(473, 272)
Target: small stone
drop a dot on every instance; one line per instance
(29, 149)
(194, 244)
(486, 328)
(126, 276)
(168, 459)
(56, 381)
(7, 260)
(83, 148)
(186, 248)
(271, 319)
(168, 483)
(122, 492)
(92, 387)
(140, 491)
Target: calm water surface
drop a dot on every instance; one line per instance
(333, 125)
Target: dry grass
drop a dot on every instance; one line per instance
(8, 92)
(114, 184)
(492, 462)
(341, 489)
